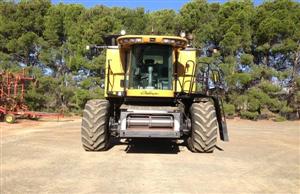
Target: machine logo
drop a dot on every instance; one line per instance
(152, 93)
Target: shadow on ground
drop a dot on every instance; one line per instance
(149, 146)
(45, 120)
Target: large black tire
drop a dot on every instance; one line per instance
(203, 138)
(94, 127)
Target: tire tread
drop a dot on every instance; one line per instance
(94, 126)
(204, 127)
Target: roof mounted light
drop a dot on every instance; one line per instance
(123, 32)
(168, 41)
(130, 40)
(174, 42)
(182, 34)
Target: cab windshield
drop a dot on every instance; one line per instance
(151, 67)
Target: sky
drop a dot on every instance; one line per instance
(149, 5)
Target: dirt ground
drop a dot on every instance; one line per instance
(47, 157)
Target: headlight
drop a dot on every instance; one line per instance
(168, 41)
(173, 41)
(130, 40)
(120, 93)
(123, 32)
(182, 34)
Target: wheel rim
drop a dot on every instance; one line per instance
(9, 118)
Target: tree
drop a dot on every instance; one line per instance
(258, 47)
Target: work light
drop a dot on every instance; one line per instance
(182, 34)
(123, 32)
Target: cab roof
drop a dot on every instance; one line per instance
(174, 41)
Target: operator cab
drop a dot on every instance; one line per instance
(151, 67)
(150, 61)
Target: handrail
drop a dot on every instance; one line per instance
(193, 77)
(184, 75)
(206, 76)
(108, 75)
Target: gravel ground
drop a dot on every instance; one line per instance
(47, 157)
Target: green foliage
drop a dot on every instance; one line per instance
(247, 59)
(260, 72)
(163, 22)
(286, 109)
(268, 87)
(36, 100)
(229, 109)
(256, 93)
(230, 43)
(240, 101)
(274, 105)
(239, 80)
(259, 48)
(249, 115)
(81, 97)
(253, 105)
(279, 119)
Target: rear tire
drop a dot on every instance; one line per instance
(94, 127)
(203, 138)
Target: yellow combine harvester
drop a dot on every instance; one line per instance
(151, 92)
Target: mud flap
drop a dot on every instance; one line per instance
(221, 119)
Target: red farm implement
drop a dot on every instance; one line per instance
(12, 104)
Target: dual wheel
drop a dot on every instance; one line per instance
(95, 123)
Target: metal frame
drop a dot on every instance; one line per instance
(174, 132)
(12, 93)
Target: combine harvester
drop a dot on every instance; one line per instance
(12, 104)
(153, 90)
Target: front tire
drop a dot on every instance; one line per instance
(203, 138)
(94, 127)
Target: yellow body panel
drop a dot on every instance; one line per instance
(115, 73)
(186, 71)
(115, 68)
(150, 93)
